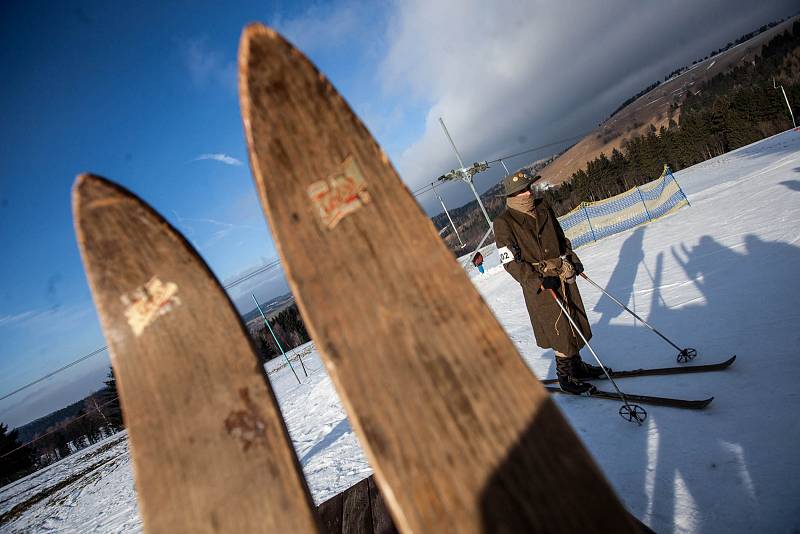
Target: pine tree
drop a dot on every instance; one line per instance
(109, 398)
(730, 110)
(16, 464)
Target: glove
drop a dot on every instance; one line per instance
(567, 271)
(551, 267)
(578, 268)
(551, 282)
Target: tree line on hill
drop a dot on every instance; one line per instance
(676, 72)
(99, 415)
(288, 327)
(60, 433)
(729, 111)
(742, 39)
(635, 97)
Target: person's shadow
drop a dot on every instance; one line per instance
(732, 466)
(746, 305)
(728, 460)
(794, 185)
(622, 279)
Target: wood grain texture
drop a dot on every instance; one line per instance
(210, 449)
(331, 513)
(381, 520)
(461, 435)
(359, 509)
(356, 510)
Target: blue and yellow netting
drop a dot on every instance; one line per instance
(592, 221)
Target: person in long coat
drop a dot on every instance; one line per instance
(535, 251)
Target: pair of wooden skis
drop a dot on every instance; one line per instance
(461, 435)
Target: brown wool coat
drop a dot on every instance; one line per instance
(540, 237)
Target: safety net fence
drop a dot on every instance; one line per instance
(592, 221)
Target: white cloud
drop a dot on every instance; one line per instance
(213, 230)
(222, 158)
(8, 320)
(46, 317)
(207, 66)
(509, 75)
(323, 25)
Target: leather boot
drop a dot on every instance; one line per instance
(585, 371)
(567, 381)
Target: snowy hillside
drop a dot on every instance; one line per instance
(719, 276)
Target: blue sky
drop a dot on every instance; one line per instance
(145, 94)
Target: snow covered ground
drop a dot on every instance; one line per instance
(718, 276)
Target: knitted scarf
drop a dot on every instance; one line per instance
(523, 203)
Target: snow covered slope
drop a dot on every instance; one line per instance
(718, 276)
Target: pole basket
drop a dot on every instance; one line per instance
(633, 413)
(687, 355)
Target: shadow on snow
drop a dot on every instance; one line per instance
(726, 458)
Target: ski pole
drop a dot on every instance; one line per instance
(299, 357)
(684, 355)
(275, 338)
(629, 412)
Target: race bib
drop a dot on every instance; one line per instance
(506, 255)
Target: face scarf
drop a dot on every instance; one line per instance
(523, 203)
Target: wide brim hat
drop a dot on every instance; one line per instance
(519, 181)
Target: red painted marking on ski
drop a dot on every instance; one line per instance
(339, 195)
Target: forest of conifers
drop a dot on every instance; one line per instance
(729, 111)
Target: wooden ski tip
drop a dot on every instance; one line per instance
(256, 29)
(254, 33)
(210, 449)
(88, 191)
(85, 179)
(257, 33)
(87, 185)
(461, 435)
(88, 181)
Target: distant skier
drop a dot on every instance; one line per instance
(477, 261)
(534, 250)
